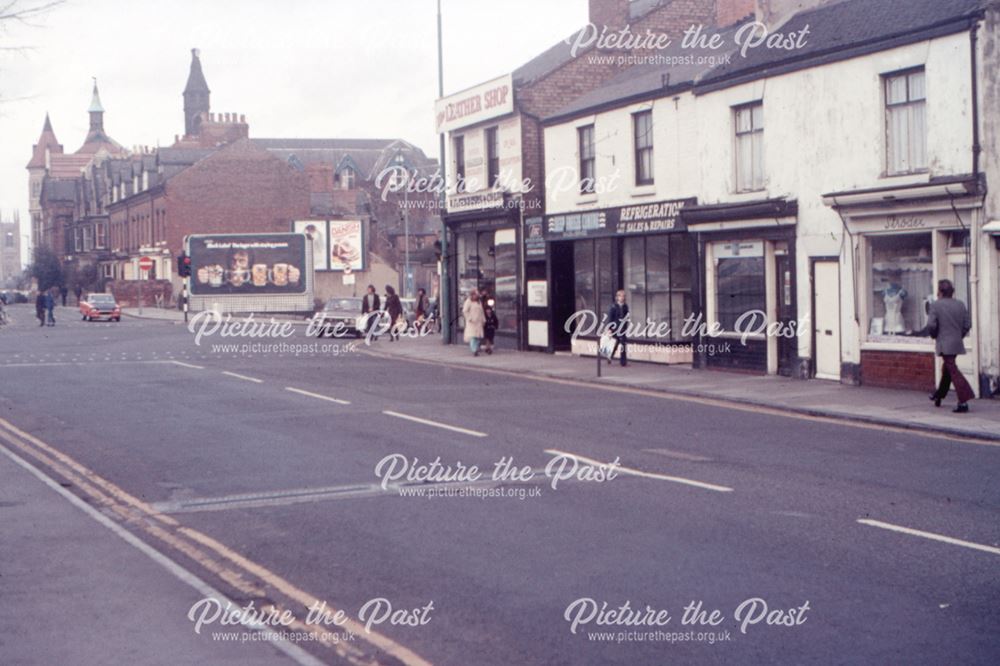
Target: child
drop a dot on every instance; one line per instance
(489, 329)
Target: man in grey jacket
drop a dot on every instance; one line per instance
(948, 322)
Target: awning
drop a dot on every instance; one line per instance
(992, 227)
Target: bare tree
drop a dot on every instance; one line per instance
(23, 13)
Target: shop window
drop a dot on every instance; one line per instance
(740, 286)
(634, 269)
(585, 276)
(901, 280)
(588, 158)
(607, 281)
(458, 145)
(749, 120)
(681, 281)
(492, 157)
(906, 122)
(643, 133)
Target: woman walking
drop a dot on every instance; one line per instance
(393, 308)
(475, 320)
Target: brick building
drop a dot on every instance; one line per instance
(495, 154)
(103, 207)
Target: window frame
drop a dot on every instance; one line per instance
(757, 180)
(458, 149)
(641, 150)
(588, 159)
(491, 137)
(888, 107)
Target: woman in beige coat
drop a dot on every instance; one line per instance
(475, 320)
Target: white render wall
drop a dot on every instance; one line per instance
(824, 131)
(509, 138)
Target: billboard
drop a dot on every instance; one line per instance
(317, 231)
(247, 264)
(347, 248)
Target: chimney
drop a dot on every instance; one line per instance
(730, 12)
(611, 13)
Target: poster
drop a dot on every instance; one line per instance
(346, 245)
(247, 264)
(317, 231)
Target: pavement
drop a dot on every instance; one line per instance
(894, 408)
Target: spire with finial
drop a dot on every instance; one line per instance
(196, 95)
(96, 111)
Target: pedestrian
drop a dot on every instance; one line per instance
(78, 291)
(421, 309)
(40, 307)
(948, 322)
(393, 308)
(618, 320)
(50, 304)
(370, 305)
(63, 291)
(475, 320)
(490, 326)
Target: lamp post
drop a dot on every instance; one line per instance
(444, 309)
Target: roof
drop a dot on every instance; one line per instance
(47, 139)
(68, 166)
(95, 101)
(368, 156)
(196, 78)
(845, 30)
(98, 139)
(652, 80)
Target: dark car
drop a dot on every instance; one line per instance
(341, 316)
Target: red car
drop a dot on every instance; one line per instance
(100, 306)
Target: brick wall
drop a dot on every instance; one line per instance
(729, 12)
(240, 189)
(899, 370)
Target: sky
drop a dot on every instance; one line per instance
(295, 68)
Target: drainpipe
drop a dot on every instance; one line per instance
(974, 233)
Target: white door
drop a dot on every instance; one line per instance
(826, 331)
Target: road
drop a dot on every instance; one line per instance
(256, 474)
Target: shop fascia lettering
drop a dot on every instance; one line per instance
(659, 217)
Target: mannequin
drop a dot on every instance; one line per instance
(893, 297)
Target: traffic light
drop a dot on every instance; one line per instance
(183, 265)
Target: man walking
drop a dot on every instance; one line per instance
(948, 322)
(370, 305)
(618, 320)
(40, 307)
(50, 304)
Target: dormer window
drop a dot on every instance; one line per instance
(347, 178)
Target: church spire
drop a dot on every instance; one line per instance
(47, 143)
(96, 111)
(196, 95)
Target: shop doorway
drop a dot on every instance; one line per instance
(785, 290)
(562, 293)
(826, 318)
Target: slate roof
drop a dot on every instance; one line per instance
(368, 155)
(652, 79)
(837, 31)
(847, 29)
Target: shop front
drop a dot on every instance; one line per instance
(903, 243)
(747, 261)
(486, 256)
(643, 249)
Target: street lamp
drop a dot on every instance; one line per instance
(401, 172)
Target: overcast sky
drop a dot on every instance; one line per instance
(296, 68)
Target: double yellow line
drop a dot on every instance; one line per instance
(249, 579)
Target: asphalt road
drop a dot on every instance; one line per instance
(264, 481)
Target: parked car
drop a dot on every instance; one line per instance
(343, 311)
(100, 306)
